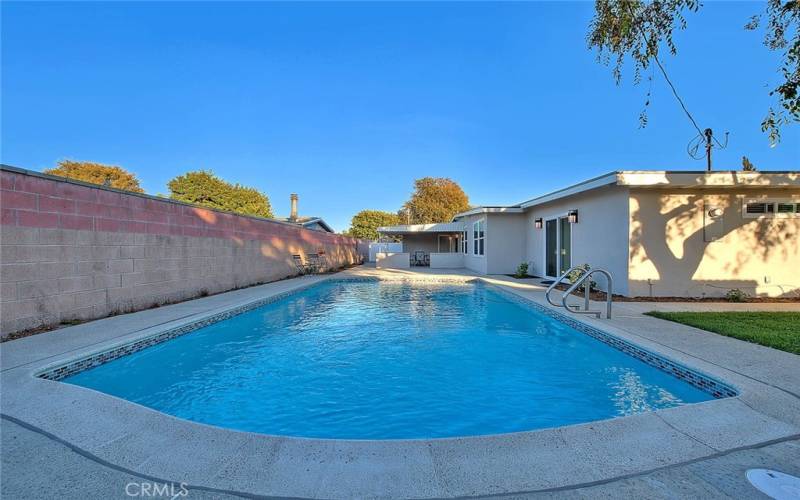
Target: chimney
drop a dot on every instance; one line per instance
(293, 214)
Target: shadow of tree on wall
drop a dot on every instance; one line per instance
(229, 251)
(668, 231)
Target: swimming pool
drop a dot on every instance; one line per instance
(388, 360)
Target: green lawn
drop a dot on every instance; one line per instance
(780, 330)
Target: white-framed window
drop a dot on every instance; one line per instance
(478, 237)
(753, 209)
(464, 243)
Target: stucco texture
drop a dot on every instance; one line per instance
(477, 263)
(505, 242)
(677, 249)
(600, 238)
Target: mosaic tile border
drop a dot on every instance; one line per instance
(704, 382)
(102, 357)
(413, 279)
(61, 372)
(701, 381)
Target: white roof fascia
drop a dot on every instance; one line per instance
(603, 180)
(442, 227)
(514, 209)
(703, 179)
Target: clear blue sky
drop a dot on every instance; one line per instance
(346, 104)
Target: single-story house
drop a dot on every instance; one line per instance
(659, 233)
(314, 223)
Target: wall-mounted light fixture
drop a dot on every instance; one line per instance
(572, 215)
(715, 212)
(537, 223)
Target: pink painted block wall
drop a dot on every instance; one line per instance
(73, 252)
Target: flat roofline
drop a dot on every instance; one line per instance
(650, 178)
(716, 178)
(509, 209)
(712, 172)
(593, 183)
(439, 227)
(678, 179)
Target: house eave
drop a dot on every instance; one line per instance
(594, 183)
(679, 179)
(444, 227)
(512, 209)
(319, 221)
(704, 179)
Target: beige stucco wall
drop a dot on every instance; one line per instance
(453, 260)
(505, 242)
(476, 263)
(425, 242)
(400, 260)
(600, 238)
(669, 230)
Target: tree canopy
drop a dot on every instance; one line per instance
(636, 29)
(365, 223)
(434, 199)
(97, 173)
(203, 188)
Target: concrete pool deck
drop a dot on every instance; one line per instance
(95, 431)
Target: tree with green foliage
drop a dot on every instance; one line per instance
(434, 199)
(97, 173)
(637, 30)
(203, 188)
(365, 223)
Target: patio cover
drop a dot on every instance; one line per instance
(442, 227)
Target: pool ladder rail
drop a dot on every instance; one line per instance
(586, 282)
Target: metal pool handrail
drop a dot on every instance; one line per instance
(557, 281)
(583, 280)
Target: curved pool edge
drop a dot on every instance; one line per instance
(158, 445)
(703, 381)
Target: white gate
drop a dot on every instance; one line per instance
(377, 247)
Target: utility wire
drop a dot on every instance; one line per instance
(664, 72)
(675, 93)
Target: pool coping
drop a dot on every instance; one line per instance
(702, 381)
(158, 445)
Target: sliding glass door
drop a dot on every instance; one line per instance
(558, 246)
(564, 245)
(551, 247)
(447, 243)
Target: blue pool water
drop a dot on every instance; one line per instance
(379, 360)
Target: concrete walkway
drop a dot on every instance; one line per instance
(65, 441)
(37, 467)
(29, 456)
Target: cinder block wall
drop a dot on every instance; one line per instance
(73, 251)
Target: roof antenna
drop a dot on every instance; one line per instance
(709, 142)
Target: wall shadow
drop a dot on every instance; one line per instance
(677, 245)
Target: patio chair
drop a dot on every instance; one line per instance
(318, 262)
(323, 262)
(302, 267)
(419, 258)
